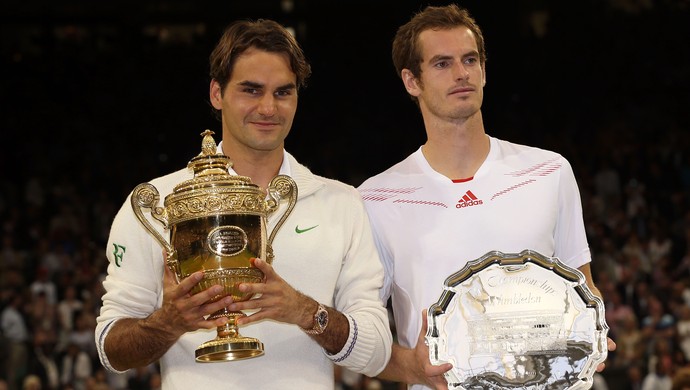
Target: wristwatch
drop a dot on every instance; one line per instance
(320, 321)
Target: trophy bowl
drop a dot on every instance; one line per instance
(217, 224)
(517, 321)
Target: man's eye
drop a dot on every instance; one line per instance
(286, 92)
(252, 91)
(471, 60)
(441, 64)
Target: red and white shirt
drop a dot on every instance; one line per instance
(428, 226)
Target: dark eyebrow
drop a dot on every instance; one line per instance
(472, 53)
(445, 57)
(287, 87)
(255, 85)
(251, 84)
(440, 57)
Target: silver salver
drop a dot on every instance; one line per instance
(517, 321)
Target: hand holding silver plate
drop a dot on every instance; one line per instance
(509, 321)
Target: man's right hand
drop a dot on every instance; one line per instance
(182, 312)
(432, 374)
(137, 342)
(412, 366)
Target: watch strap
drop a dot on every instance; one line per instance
(320, 321)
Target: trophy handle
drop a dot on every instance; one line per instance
(145, 195)
(281, 187)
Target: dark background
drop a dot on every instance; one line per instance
(99, 96)
(117, 91)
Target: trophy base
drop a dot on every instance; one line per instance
(225, 350)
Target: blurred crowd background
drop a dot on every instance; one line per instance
(97, 98)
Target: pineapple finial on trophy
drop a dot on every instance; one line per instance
(209, 162)
(208, 144)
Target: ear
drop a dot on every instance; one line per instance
(483, 76)
(410, 82)
(215, 95)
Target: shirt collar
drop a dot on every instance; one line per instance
(285, 168)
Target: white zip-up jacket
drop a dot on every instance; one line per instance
(324, 249)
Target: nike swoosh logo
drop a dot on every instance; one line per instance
(300, 231)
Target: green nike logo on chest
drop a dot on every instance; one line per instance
(300, 231)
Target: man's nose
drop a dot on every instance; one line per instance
(267, 105)
(461, 72)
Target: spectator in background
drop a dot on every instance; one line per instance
(40, 313)
(634, 376)
(629, 341)
(67, 308)
(44, 360)
(641, 298)
(607, 183)
(10, 255)
(660, 244)
(82, 334)
(76, 367)
(46, 257)
(658, 318)
(616, 311)
(682, 268)
(683, 330)
(65, 226)
(43, 284)
(98, 381)
(634, 251)
(660, 377)
(16, 334)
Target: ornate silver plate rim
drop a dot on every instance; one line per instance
(497, 341)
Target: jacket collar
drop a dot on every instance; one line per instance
(307, 182)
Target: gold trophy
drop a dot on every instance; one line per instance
(217, 223)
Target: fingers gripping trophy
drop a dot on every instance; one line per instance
(217, 223)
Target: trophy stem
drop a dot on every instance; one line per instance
(228, 344)
(228, 331)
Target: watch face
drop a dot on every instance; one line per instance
(322, 318)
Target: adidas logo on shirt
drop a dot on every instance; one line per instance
(467, 200)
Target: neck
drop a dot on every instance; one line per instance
(456, 150)
(259, 166)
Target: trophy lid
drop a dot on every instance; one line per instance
(211, 170)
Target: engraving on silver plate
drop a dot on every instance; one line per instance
(517, 321)
(227, 240)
